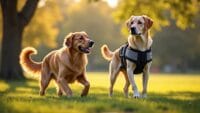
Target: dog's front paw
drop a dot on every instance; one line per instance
(136, 95)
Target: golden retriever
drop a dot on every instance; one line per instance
(64, 65)
(140, 42)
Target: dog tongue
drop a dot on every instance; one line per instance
(88, 49)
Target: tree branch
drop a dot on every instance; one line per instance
(9, 11)
(27, 12)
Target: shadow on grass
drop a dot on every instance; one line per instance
(186, 102)
(97, 101)
(6, 100)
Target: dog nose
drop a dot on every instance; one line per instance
(91, 43)
(133, 31)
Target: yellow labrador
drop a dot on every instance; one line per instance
(132, 58)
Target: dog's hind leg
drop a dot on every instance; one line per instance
(114, 70)
(44, 80)
(127, 84)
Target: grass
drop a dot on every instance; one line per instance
(166, 94)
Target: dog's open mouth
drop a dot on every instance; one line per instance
(85, 49)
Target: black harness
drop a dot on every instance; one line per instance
(140, 58)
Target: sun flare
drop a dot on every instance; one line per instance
(112, 3)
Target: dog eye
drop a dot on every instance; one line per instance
(131, 22)
(139, 22)
(81, 38)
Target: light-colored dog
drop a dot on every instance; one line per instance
(139, 40)
(64, 65)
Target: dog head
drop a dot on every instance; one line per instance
(138, 25)
(79, 41)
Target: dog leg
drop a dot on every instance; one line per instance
(58, 89)
(130, 68)
(62, 83)
(144, 83)
(86, 84)
(114, 71)
(127, 84)
(44, 81)
(59, 92)
(145, 79)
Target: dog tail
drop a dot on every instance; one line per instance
(27, 63)
(106, 53)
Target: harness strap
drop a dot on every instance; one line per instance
(122, 55)
(133, 55)
(140, 58)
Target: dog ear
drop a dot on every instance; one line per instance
(128, 21)
(148, 21)
(68, 40)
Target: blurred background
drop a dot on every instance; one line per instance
(176, 30)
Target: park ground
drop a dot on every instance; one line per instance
(167, 93)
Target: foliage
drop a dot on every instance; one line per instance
(93, 18)
(181, 11)
(44, 26)
(178, 48)
(21, 97)
(174, 46)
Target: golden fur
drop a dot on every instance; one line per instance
(64, 65)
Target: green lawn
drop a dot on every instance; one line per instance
(173, 93)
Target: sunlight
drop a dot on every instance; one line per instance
(4, 86)
(41, 3)
(112, 3)
(77, 0)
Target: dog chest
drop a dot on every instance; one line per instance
(140, 58)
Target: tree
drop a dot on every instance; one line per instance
(43, 28)
(96, 21)
(14, 22)
(179, 38)
(161, 11)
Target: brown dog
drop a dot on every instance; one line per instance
(64, 65)
(133, 58)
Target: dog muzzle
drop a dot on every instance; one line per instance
(134, 31)
(91, 43)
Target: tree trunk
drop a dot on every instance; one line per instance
(11, 47)
(13, 27)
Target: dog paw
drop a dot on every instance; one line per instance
(59, 94)
(69, 94)
(110, 95)
(83, 95)
(144, 96)
(42, 93)
(126, 96)
(136, 95)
